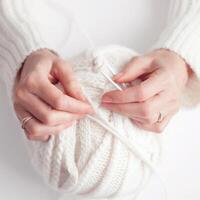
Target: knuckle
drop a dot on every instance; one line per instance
(49, 119)
(29, 82)
(19, 93)
(34, 131)
(61, 63)
(58, 102)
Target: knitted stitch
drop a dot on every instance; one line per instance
(101, 156)
(20, 35)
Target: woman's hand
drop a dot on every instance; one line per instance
(35, 94)
(151, 103)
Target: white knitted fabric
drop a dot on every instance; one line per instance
(76, 153)
(103, 156)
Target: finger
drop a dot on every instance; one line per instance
(39, 132)
(153, 85)
(45, 113)
(38, 138)
(128, 109)
(135, 68)
(59, 101)
(171, 108)
(21, 113)
(147, 110)
(138, 93)
(65, 75)
(35, 130)
(157, 127)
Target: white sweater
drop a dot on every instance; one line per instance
(23, 23)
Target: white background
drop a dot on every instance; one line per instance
(135, 24)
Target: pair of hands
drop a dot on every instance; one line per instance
(163, 75)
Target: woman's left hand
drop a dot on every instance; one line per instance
(151, 103)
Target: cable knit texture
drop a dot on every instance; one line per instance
(88, 159)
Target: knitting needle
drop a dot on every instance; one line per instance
(115, 84)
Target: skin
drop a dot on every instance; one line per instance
(163, 76)
(35, 94)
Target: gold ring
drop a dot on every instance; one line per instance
(25, 120)
(160, 118)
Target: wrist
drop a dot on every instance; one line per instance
(42, 52)
(180, 68)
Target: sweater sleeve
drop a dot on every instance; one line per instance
(182, 35)
(26, 26)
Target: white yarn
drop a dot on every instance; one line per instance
(103, 156)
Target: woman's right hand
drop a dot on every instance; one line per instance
(36, 95)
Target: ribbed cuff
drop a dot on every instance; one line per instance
(191, 94)
(14, 63)
(21, 33)
(186, 44)
(183, 37)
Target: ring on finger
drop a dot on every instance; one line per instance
(25, 120)
(160, 118)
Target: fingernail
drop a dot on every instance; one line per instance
(117, 76)
(107, 99)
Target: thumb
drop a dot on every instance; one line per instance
(133, 69)
(64, 73)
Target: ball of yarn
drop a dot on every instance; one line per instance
(88, 160)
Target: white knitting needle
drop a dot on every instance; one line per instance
(114, 73)
(115, 84)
